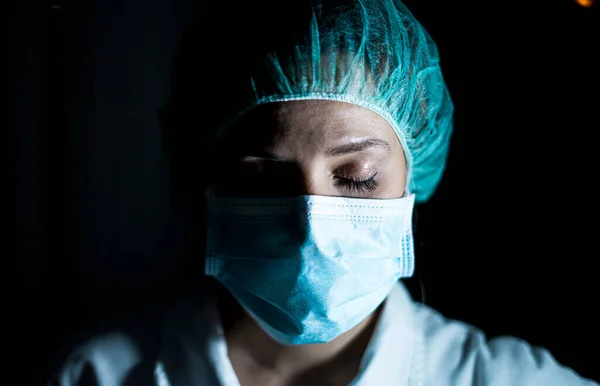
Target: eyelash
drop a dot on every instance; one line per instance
(363, 186)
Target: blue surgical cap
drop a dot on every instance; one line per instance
(371, 53)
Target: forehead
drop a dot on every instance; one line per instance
(321, 120)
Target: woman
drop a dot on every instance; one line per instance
(327, 121)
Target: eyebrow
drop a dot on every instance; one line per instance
(357, 146)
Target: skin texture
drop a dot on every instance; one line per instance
(295, 148)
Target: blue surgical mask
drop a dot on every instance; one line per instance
(309, 268)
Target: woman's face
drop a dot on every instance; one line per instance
(310, 147)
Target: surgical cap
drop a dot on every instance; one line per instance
(371, 53)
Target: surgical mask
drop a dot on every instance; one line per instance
(309, 268)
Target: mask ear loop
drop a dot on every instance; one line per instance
(210, 265)
(422, 299)
(417, 295)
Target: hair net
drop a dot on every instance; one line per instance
(371, 53)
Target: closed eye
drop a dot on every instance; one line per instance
(358, 186)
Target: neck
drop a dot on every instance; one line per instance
(248, 343)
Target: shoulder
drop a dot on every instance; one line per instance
(112, 356)
(461, 354)
(102, 360)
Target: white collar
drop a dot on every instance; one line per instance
(195, 351)
(389, 356)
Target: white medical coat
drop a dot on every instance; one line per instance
(412, 345)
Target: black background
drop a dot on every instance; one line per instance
(508, 243)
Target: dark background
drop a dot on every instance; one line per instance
(508, 243)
